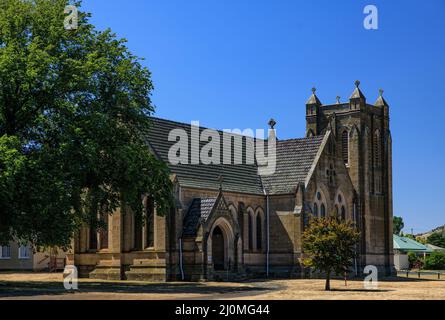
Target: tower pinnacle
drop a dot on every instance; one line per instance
(357, 94)
(272, 123)
(313, 99)
(380, 100)
(338, 99)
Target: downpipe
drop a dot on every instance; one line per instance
(180, 259)
(268, 232)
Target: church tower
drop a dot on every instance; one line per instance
(363, 139)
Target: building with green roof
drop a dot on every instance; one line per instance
(404, 245)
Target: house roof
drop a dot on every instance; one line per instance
(435, 248)
(294, 160)
(407, 244)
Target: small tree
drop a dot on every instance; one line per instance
(329, 246)
(415, 262)
(397, 225)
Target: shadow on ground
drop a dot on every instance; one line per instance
(35, 288)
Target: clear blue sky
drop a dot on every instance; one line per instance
(236, 64)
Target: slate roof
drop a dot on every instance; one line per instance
(197, 213)
(294, 160)
(241, 178)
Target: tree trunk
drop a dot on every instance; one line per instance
(328, 280)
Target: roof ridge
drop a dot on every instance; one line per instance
(178, 122)
(301, 139)
(205, 128)
(222, 131)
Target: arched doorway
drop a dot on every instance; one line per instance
(223, 248)
(218, 249)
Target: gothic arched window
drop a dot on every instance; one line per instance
(345, 146)
(259, 232)
(377, 154)
(250, 229)
(103, 234)
(340, 205)
(319, 204)
(323, 211)
(92, 238)
(137, 233)
(150, 216)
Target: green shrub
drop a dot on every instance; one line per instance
(435, 261)
(415, 261)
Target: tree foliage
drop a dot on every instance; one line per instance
(408, 235)
(421, 240)
(437, 239)
(415, 261)
(435, 261)
(398, 225)
(329, 246)
(74, 105)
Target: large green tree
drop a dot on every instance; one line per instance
(74, 105)
(329, 246)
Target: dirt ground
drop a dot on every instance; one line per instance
(50, 286)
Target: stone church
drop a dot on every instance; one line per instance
(230, 223)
